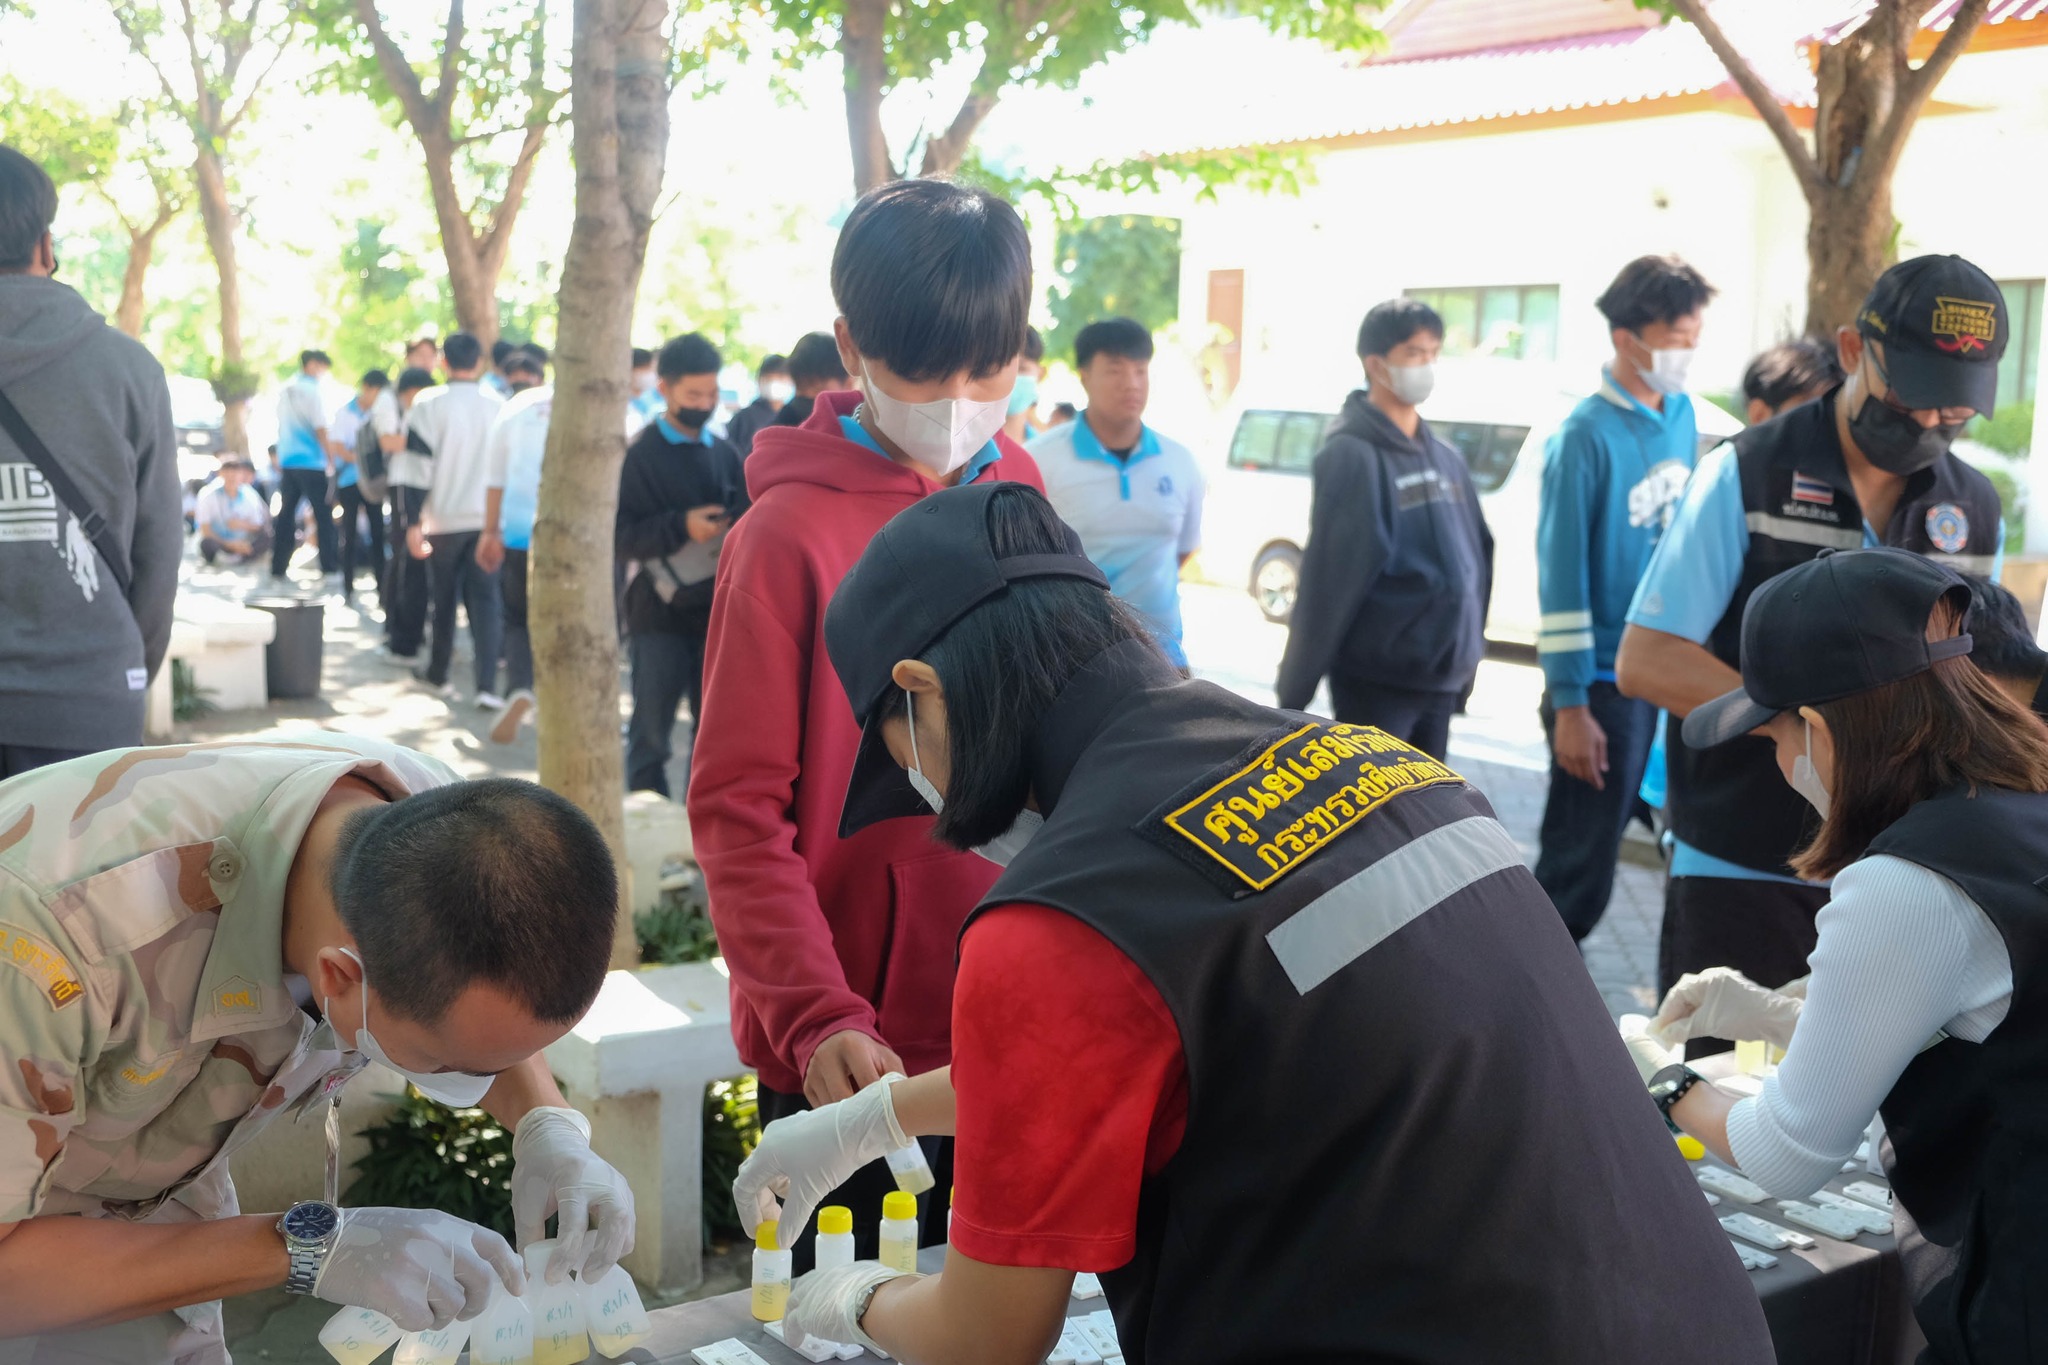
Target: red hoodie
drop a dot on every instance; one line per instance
(821, 934)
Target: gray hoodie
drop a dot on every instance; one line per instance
(75, 659)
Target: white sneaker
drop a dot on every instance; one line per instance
(518, 707)
(489, 701)
(389, 656)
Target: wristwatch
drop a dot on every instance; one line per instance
(1670, 1085)
(310, 1228)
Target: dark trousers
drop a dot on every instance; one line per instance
(404, 595)
(518, 640)
(454, 573)
(211, 549)
(354, 548)
(1762, 929)
(1422, 719)
(1582, 824)
(668, 669)
(863, 1193)
(16, 759)
(295, 486)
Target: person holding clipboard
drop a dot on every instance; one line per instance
(680, 491)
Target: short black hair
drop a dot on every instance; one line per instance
(2003, 643)
(28, 205)
(815, 360)
(498, 881)
(642, 357)
(1034, 345)
(1790, 368)
(1389, 324)
(523, 361)
(314, 358)
(1063, 413)
(934, 277)
(1654, 289)
(462, 351)
(1004, 664)
(687, 354)
(1125, 338)
(500, 350)
(536, 350)
(412, 379)
(374, 379)
(772, 364)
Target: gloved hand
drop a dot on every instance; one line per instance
(806, 1156)
(828, 1303)
(1721, 1002)
(421, 1268)
(554, 1171)
(1649, 1055)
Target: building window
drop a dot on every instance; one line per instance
(2019, 369)
(1515, 321)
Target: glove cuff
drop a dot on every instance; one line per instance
(898, 1139)
(868, 1297)
(547, 1116)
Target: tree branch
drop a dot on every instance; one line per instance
(451, 55)
(228, 123)
(496, 237)
(398, 72)
(1805, 169)
(122, 17)
(1915, 87)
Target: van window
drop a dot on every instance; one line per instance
(1258, 433)
(1285, 442)
(1300, 439)
(1489, 450)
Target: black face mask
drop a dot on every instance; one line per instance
(1894, 442)
(690, 419)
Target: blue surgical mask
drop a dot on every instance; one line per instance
(456, 1089)
(1025, 396)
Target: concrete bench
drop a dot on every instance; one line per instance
(638, 1064)
(222, 642)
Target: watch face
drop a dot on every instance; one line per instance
(311, 1222)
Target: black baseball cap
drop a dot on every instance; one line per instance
(1943, 325)
(1843, 623)
(928, 567)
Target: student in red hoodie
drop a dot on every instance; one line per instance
(841, 949)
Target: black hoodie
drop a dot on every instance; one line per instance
(1398, 567)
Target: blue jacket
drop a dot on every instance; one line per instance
(1612, 474)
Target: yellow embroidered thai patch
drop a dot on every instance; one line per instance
(1266, 818)
(42, 964)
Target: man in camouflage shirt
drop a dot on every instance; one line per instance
(185, 938)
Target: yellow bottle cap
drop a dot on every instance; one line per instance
(952, 1195)
(764, 1238)
(899, 1205)
(1690, 1147)
(835, 1219)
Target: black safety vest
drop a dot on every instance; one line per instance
(1731, 801)
(1968, 1122)
(1412, 1131)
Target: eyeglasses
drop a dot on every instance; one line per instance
(1953, 417)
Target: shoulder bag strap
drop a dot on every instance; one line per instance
(89, 519)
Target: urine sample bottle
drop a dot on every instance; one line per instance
(771, 1275)
(913, 1173)
(833, 1246)
(899, 1232)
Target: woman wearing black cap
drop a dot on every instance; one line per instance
(1265, 1020)
(1932, 786)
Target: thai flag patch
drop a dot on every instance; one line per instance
(1813, 491)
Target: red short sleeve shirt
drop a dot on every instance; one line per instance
(1071, 1086)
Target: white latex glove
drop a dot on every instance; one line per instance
(555, 1172)
(421, 1268)
(827, 1303)
(1649, 1055)
(806, 1156)
(1721, 1002)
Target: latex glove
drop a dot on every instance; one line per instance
(421, 1268)
(806, 1156)
(827, 1303)
(1721, 1002)
(555, 1172)
(1649, 1055)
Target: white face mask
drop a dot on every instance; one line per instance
(918, 781)
(1667, 371)
(456, 1089)
(1412, 384)
(643, 382)
(1007, 845)
(1806, 780)
(779, 390)
(939, 436)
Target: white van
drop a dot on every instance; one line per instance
(1257, 512)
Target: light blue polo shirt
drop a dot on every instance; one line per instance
(301, 412)
(1692, 579)
(1137, 516)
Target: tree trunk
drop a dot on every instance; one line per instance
(475, 288)
(141, 248)
(619, 95)
(1849, 227)
(943, 154)
(1849, 243)
(867, 81)
(219, 219)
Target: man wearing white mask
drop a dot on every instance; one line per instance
(1612, 475)
(201, 940)
(1399, 563)
(841, 949)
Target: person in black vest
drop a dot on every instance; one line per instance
(1932, 787)
(1866, 464)
(2006, 649)
(1207, 905)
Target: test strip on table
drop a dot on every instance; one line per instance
(1769, 1236)
(1867, 1192)
(1074, 1348)
(1087, 1286)
(1712, 1198)
(1729, 1185)
(1752, 1258)
(1827, 1222)
(731, 1351)
(1867, 1218)
(815, 1349)
(1100, 1328)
